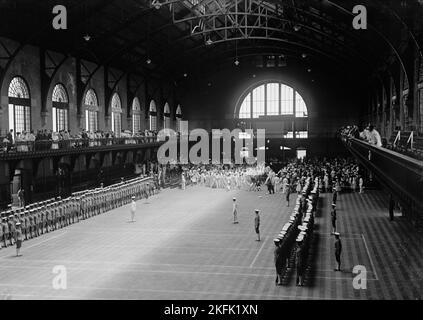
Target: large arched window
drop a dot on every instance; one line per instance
(60, 110)
(116, 115)
(166, 116)
(19, 105)
(136, 115)
(178, 118)
(91, 111)
(272, 99)
(153, 116)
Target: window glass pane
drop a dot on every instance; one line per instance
(153, 123)
(301, 134)
(272, 99)
(289, 135)
(136, 123)
(258, 101)
(287, 100)
(245, 110)
(300, 106)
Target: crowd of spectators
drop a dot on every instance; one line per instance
(48, 139)
(369, 134)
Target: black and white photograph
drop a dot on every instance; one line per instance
(228, 153)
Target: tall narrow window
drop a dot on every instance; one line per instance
(153, 116)
(287, 100)
(136, 115)
(19, 106)
(116, 115)
(178, 118)
(258, 101)
(91, 111)
(166, 116)
(273, 99)
(60, 110)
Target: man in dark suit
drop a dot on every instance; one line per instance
(338, 251)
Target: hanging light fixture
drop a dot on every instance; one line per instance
(236, 54)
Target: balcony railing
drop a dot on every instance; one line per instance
(22, 147)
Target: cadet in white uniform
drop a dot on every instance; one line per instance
(133, 209)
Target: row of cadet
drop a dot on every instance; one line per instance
(293, 242)
(53, 214)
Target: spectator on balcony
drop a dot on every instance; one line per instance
(365, 134)
(374, 137)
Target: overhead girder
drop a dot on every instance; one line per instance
(348, 49)
(339, 60)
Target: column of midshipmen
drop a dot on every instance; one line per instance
(53, 214)
(301, 217)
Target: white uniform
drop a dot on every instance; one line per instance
(133, 210)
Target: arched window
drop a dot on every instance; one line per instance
(60, 110)
(178, 118)
(19, 105)
(153, 116)
(272, 99)
(91, 111)
(166, 116)
(116, 115)
(136, 115)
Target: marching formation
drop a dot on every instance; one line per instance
(43, 217)
(221, 177)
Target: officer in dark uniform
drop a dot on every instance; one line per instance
(257, 224)
(334, 195)
(278, 259)
(338, 251)
(31, 225)
(299, 261)
(333, 218)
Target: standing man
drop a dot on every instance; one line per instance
(333, 218)
(133, 209)
(18, 238)
(334, 195)
(21, 196)
(5, 226)
(299, 261)
(288, 193)
(338, 251)
(257, 224)
(235, 210)
(278, 259)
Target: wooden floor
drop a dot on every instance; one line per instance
(183, 245)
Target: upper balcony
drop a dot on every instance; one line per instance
(44, 148)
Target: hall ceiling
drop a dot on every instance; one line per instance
(197, 35)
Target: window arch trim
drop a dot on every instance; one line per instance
(60, 89)
(14, 97)
(116, 103)
(91, 94)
